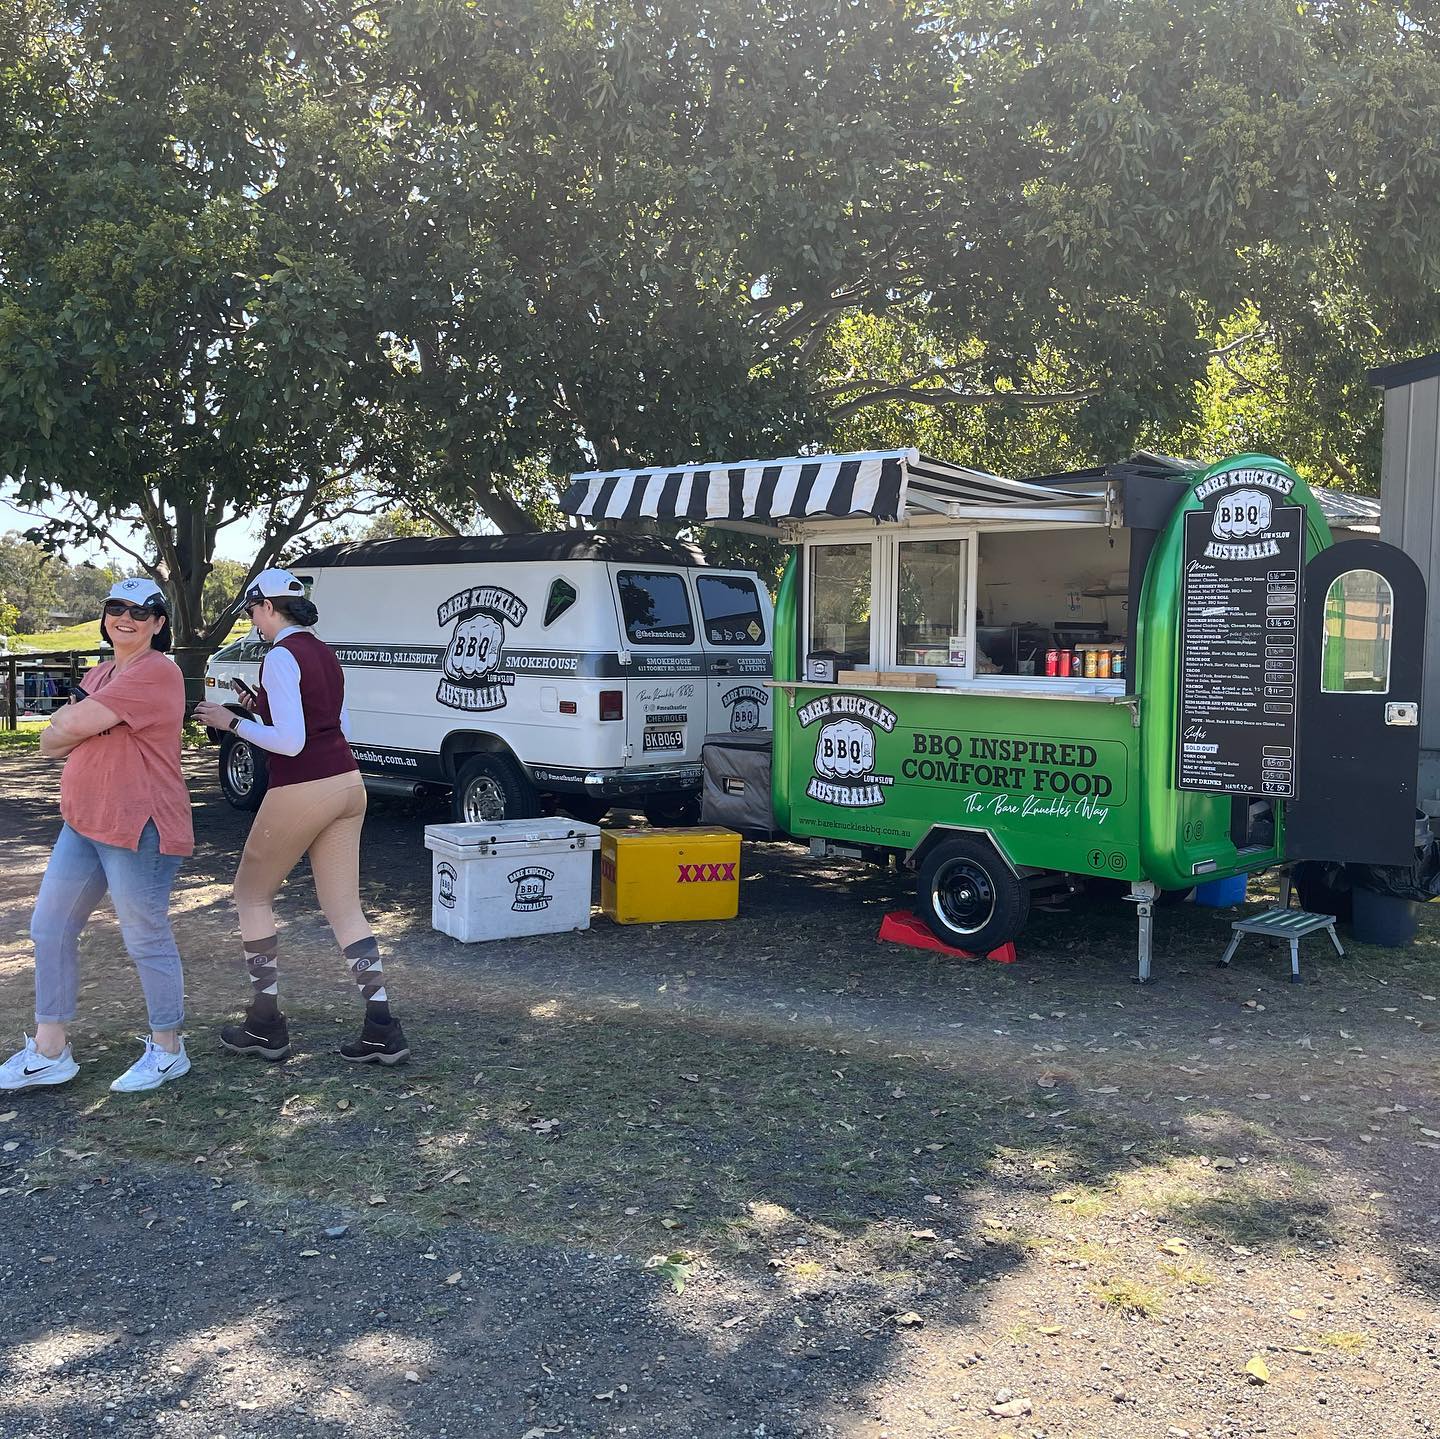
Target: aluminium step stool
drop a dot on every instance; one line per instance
(1290, 925)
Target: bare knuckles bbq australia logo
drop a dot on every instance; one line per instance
(845, 750)
(473, 679)
(1243, 512)
(530, 888)
(746, 704)
(445, 873)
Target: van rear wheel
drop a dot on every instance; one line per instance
(492, 787)
(969, 898)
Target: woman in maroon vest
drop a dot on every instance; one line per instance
(315, 803)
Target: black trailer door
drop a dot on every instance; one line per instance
(1362, 642)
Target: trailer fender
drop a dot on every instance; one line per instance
(916, 857)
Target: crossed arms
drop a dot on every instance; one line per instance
(73, 725)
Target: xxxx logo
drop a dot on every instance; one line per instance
(705, 873)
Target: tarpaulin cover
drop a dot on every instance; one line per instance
(736, 790)
(1418, 881)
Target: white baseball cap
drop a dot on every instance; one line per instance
(273, 585)
(137, 591)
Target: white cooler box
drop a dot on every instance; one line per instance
(511, 877)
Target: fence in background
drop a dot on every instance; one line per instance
(63, 670)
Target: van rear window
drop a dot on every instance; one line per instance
(656, 608)
(730, 610)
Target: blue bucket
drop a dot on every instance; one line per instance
(1222, 893)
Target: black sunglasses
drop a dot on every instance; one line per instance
(116, 608)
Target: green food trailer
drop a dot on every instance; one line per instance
(1151, 673)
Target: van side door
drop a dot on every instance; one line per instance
(736, 620)
(663, 665)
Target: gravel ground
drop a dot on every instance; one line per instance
(1027, 1201)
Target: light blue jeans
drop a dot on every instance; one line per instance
(139, 881)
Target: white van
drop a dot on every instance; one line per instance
(525, 672)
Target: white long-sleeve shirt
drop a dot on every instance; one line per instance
(285, 734)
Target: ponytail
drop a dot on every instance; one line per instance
(297, 610)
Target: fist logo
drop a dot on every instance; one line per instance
(844, 749)
(446, 877)
(530, 889)
(1242, 514)
(474, 651)
(744, 716)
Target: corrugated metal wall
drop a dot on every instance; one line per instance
(1410, 513)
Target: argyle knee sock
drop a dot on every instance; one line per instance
(367, 970)
(264, 973)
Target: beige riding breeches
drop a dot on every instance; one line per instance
(323, 817)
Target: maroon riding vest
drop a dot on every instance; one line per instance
(322, 691)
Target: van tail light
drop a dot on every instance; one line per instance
(612, 704)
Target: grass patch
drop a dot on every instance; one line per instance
(84, 636)
(1191, 1275)
(1165, 1187)
(1129, 1298)
(1260, 1209)
(668, 1132)
(1078, 1251)
(1347, 1341)
(26, 737)
(1086, 1203)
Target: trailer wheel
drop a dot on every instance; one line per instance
(492, 787)
(244, 773)
(969, 898)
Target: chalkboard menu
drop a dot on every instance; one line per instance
(1239, 639)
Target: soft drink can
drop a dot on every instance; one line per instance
(1102, 665)
(1091, 664)
(1052, 662)
(1117, 664)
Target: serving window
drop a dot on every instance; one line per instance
(932, 603)
(974, 604)
(842, 597)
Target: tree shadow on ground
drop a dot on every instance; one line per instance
(833, 1135)
(855, 1189)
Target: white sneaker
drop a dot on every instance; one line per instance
(152, 1069)
(29, 1068)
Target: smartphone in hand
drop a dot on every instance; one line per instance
(247, 695)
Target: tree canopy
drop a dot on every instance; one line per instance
(41, 586)
(287, 259)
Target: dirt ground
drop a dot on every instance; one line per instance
(766, 1178)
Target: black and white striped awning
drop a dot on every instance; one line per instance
(880, 485)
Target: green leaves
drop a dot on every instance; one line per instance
(675, 1267)
(261, 256)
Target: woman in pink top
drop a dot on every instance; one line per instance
(127, 826)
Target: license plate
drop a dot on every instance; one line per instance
(663, 739)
